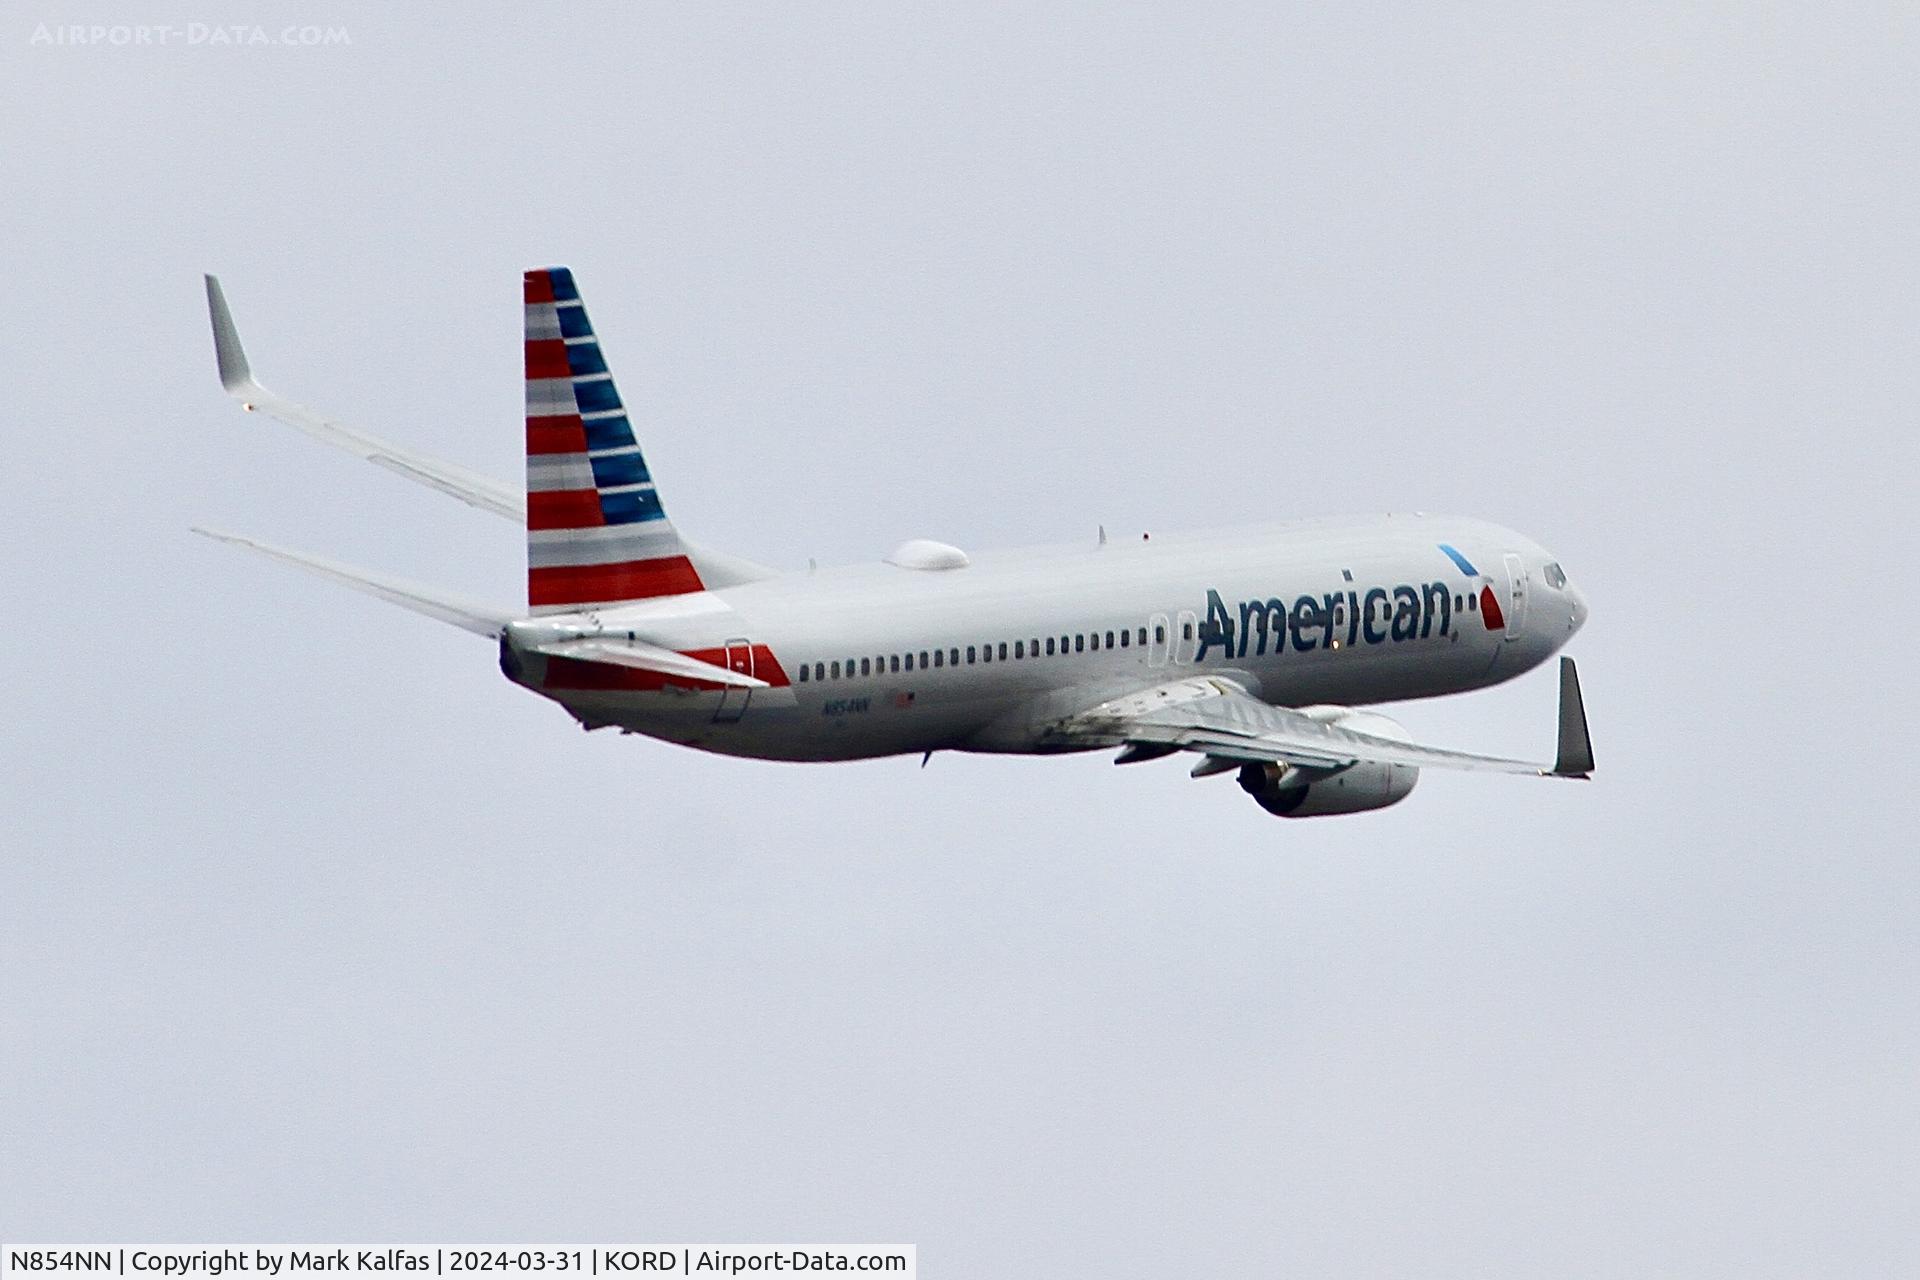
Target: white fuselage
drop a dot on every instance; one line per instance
(874, 660)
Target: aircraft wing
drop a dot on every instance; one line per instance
(237, 377)
(1218, 718)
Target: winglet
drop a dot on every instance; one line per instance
(234, 373)
(1575, 757)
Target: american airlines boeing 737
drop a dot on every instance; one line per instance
(1255, 649)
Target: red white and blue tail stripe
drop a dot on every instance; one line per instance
(596, 532)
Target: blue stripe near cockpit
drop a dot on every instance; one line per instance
(1460, 560)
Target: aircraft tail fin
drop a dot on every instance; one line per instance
(596, 530)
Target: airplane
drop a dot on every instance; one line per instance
(1256, 650)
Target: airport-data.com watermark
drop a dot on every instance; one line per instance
(187, 35)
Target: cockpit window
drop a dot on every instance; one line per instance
(1556, 577)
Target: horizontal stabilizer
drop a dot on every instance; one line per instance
(477, 618)
(237, 377)
(641, 656)
(716, 569)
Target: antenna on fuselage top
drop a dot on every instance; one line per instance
(1103, 535)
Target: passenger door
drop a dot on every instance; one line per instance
(1516, 609)
(733, 702)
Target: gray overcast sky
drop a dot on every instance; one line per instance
(311, 927)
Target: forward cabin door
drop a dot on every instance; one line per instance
(1516, 597)
(733, 701)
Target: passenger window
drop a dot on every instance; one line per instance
(1079, 642)
(909, 662)
(1019, 649)
(969, 655)
(1473, 603)
(1124, 637)
(1143, 635)
(836, 671)
(1063, 644)
(1186, 631)
(923, 659)
(1049, 646)
(1003, 651)
(1033, 647)
(986, 653)
(953, 657)
(1159, 633)
(939, 656)
(893, 663)
(803, 673)
(865, 667)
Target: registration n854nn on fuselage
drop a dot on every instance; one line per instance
(1254, 649)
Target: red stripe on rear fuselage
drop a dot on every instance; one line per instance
(572, 673)
(765, 665)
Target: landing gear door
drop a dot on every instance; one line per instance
(1516, 609)
(733, 701)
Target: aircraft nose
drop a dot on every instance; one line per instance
(1578, 617)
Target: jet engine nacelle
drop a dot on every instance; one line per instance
(1289, 792)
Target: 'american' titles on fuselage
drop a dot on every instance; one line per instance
(1379, 615)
